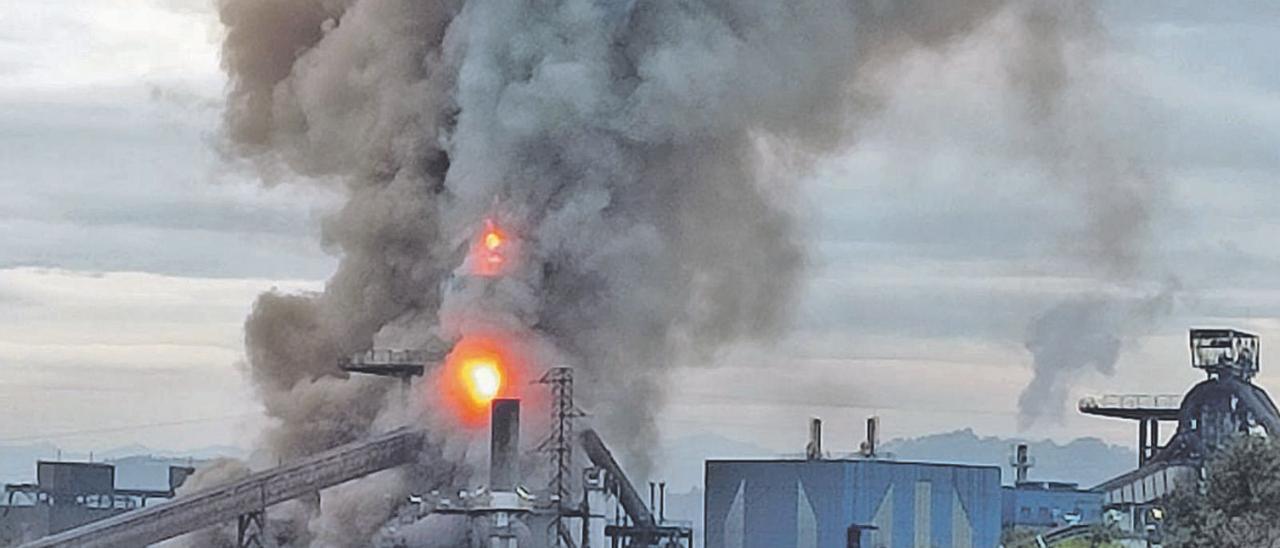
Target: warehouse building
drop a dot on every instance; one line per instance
(817, 502)
(1049, 505)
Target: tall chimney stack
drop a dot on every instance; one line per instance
(813, 451)
(504, 445)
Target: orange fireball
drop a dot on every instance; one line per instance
(482, 379)
(477, 371)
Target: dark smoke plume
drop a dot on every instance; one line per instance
(639, 151)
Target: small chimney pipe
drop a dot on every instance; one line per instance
(662, 503)
(813, 451)
(1021, 463)
(869, 446)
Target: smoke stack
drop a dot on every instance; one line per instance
(1021, 462)
(504, 445)
(662, 502)
(813, 451)
(869, 446)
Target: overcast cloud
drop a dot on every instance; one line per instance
(130, 251)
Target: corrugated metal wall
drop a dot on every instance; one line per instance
(1036, 507)
(804, 504)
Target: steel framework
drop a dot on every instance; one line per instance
(230, 502)
(559, 444)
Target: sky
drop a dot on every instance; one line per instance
(131, 249)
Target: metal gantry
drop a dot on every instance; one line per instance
(559, 444)
(252, 494)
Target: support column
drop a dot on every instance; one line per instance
(1155, 437)
(251, 529)
(1143, 440)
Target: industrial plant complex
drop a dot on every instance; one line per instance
(858, 500)
(638, 274)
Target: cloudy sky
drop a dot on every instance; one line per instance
(130, 250)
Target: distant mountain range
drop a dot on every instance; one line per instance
(1087, 461)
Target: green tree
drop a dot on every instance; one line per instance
(1102, 535)
(1236, 506)
(1099, 536)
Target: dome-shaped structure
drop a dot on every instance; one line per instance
(1216, 410)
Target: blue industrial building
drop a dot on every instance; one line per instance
(813, 503)
(1050, 505)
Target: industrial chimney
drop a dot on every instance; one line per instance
(869, 446)
(504, 445)
(1021, 462)
(813, 451)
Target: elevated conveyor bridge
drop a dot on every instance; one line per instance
(245, 498)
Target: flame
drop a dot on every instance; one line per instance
(483, 380)
(489, 253)
(480, 369)
(492, 240)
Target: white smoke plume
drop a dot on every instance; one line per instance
(640, 152)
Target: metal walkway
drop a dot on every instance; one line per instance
(1133, 406)
(252, 494)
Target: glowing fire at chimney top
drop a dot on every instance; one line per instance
(479, 369)
(483, 380)
(489, 255)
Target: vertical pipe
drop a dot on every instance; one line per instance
(662, 502)
(873, 435)
(813, 451)
(1143, 440)
(1020, 463)
(586, 515)
(504, 445)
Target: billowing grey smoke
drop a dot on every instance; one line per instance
(1081, 334)
(1097, 160)
(1072, 337)
(640, 152)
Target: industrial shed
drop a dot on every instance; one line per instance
(814, 503)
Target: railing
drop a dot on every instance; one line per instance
(392, 357)
(1132, 401)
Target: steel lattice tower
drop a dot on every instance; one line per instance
(559, 444)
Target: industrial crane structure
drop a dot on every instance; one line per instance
(246, 500)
